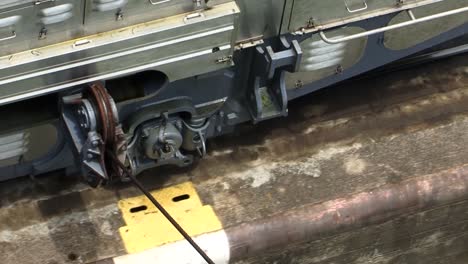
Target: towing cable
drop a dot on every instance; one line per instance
(166, 214)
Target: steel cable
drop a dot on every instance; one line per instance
(163, 211)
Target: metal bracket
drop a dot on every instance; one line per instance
(158, 2)
(290, 58)
(269, 101)
(348, 7)
(12, 36)
(268, 96)
(199, 4)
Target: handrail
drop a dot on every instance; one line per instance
(158, 2)
(413, 21)
(38, 2)
(13, 35)
(364, 7)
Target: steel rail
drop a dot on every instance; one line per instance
(317, 221)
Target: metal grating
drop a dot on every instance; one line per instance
(320, 55)
(13, 145)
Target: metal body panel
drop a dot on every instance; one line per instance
(323, 12)
(102, 16)
(39, 25)
(406, 37)
(44, 23)
(322, 60)
(57, 21)
(6, 5)
(166, 43)
(307, 16)
(36, 25)
(15, 31)
(259, 19)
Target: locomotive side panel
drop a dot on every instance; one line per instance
(163, 45)
(151, 81)
(405, 38)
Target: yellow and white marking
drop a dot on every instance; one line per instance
(148, 236)
(216, 246)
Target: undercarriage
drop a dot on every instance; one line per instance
(108, 89)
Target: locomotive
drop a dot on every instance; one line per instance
(109, 88)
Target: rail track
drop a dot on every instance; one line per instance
(362, 136)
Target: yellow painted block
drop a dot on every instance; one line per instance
(146, 227)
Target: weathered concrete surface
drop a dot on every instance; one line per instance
(364, 210)
(338, 142)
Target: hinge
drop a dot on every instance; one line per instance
(248, 43)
